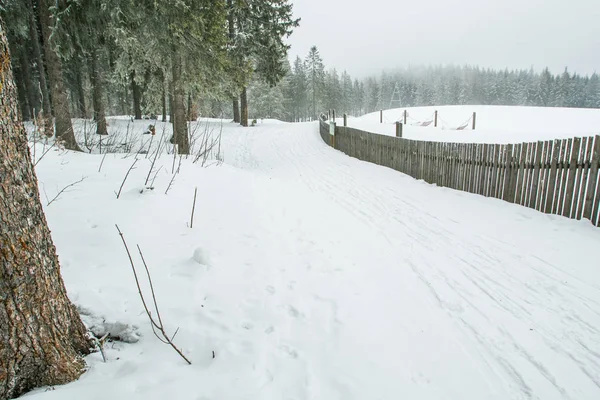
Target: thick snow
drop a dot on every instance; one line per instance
(494, 124)
(312, 275)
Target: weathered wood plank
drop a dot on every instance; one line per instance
(526, 174)
(481, 164)
(530, 164)
(501, 171)
(477, 172)
(496, 171)
(430, 162)
(514, 170)
(559, 173)
(582, 173)
(592, 179)
(507, 162)
(564, 176)
(544, 175)
(550, 195)
(521, 172)
(567, 210)
(463, 159)
(535, 176)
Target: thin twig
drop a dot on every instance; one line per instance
(155, 156)
(155, 325)
(157, 171)
(44, 153)
(63, 189)
(102, 162)
(193, 208)
(151, 285)
(137, 282)
(126, 175)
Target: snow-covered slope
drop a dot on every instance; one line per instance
(494, 124)
(311, 275)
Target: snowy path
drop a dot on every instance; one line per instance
(426, 297)
(330, 278)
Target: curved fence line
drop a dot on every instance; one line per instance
(555, 177)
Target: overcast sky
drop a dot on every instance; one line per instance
(366, 36)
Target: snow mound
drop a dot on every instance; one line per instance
(202, 256)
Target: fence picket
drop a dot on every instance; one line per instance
(544, 175)
(580, 183)
(571, 179)
(592, 179)
(535, 175)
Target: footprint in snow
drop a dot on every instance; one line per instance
(270, 289)
(290, 351)
(293, 312)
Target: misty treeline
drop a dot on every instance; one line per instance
(309, 88)
(92, 58)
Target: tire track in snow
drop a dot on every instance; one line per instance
(518, 291)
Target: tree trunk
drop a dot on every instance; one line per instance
(171, 113)
(231, 25)
(244, 104)
(23, 99)
(164, 98)
(236, 110)
(34, 34)
(189, 107)
(96, 79)
(27, 76)
(137, 97)
(179, 123)
(63, 125)
(42, 337)
(80, 92)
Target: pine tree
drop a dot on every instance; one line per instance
(315, 71)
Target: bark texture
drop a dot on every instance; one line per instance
(137, 97)
(34, 33)
(179, 123)
(62, 116)
(42, 337)
(236, 110)
(97, 93)
(244, 107)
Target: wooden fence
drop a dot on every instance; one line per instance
(556, 177)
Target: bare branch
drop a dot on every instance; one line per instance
(126, 175)
(163, 337)
(102, 162)
(63, 189)
(193, 208)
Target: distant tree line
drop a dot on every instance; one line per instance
(92, 58)
(308, 89)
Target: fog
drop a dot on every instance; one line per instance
(364, 37)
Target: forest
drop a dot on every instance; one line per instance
(81, 58)
(227, 59)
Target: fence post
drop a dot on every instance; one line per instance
(405, 115)
(435, 119)
(398, 129)
(333, 114)
(332, 128)
(474, 119)
(345, 119)
(381, 116)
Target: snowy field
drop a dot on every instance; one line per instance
(494, 124)
(312, 275)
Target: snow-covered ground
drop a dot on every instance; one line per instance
(494, 124)
(312, 275)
